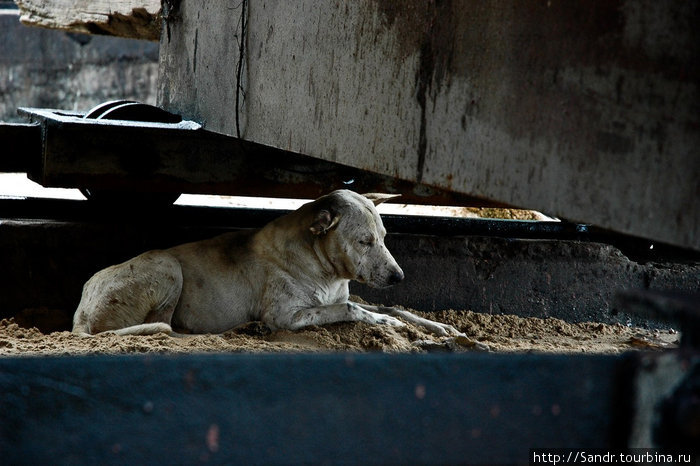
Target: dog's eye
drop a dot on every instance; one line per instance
(367, 242)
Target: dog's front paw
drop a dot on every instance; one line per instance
(388, 320)
(443, 330)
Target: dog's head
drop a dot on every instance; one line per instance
(351, 235)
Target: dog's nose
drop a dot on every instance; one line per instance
(395, 277)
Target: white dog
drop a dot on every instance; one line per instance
(289, 274)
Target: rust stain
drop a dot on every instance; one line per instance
(511, 56)
(212, 438)
(426, 28)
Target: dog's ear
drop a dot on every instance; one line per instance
(378, 198)
(323, 221)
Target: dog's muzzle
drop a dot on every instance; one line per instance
(396, 277)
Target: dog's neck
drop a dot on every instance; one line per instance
(288, 240)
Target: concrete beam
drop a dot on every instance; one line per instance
(586, 110)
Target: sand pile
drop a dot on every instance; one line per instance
(502, 333)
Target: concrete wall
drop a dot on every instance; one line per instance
(53, 69)
(586, 110)
(575, 281)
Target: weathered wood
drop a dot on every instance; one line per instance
(137, 19)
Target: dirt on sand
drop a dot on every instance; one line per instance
(501, 333)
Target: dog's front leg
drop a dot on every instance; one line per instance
(437, 328)
(331, 313)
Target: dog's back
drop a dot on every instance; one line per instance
(223, 279)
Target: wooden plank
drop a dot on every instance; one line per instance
(310, 409)
(136, 19)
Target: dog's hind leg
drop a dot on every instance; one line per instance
(136, 297)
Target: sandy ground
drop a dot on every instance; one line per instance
(501, 333)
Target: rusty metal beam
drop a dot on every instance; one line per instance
(183, 157)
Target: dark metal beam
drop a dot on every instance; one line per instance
(183, 157)
(20, 144)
